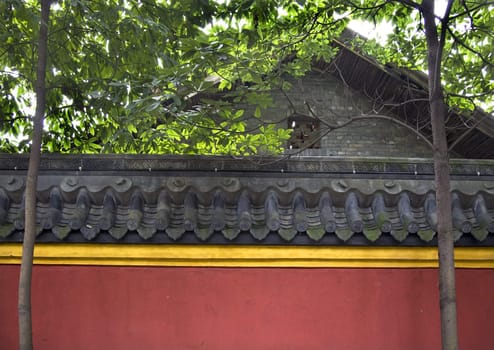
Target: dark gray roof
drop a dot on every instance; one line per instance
(153, 199)
(392, 87)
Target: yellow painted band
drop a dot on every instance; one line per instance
(243, 256)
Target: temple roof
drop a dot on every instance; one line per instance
(469, 134)
(222, 200)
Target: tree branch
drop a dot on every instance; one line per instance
(468, 11)
(468, 48)
(468, 131)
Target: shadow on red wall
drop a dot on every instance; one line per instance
(92, 308)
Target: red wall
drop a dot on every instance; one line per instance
(91, 308)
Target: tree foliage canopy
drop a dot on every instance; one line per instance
(193, 76)
(468, 59)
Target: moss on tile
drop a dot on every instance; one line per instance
(61, 231)
(399, 235)
(6, 230)
(344, 233)
(426, 235)
(316, 233)
(372, 234)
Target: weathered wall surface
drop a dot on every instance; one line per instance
(333, 102)
(82, 307)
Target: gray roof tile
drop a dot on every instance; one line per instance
(259, 206)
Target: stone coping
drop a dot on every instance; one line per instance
(10, 163)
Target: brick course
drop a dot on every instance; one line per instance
(334, 103)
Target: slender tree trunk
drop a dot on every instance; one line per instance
(25, 322)
(447, 288)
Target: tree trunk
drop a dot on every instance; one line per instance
(24, 302)
(447, 288)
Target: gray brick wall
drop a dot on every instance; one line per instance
(332, 102)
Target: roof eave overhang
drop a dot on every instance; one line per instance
(396, 86)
